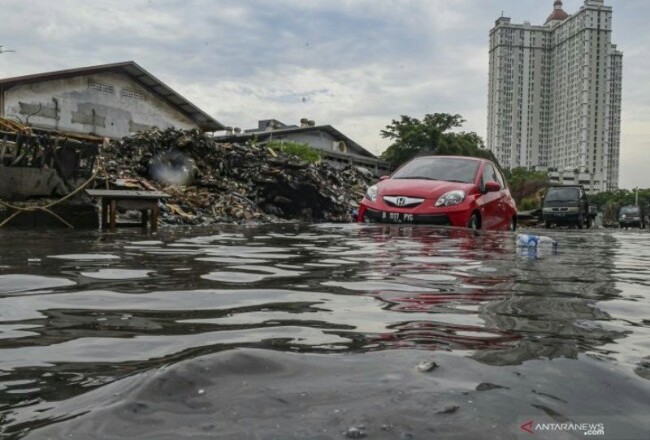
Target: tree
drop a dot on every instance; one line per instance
(413, 137)
(526, 187)
(610, 202)
(301, 150)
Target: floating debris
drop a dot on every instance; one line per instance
(448, 409)
(426, 366)
(211, 182)
(356, 432)
(485, 386)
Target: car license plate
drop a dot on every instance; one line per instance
(396, 217)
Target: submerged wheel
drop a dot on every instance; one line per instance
(581, 222)
(474, 222)
(547, 224)
(513, 224)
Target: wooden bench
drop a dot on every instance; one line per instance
(144, 201)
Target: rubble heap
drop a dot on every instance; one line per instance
(213, 182)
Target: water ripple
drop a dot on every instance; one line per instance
(82, 315)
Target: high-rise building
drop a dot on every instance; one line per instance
(554, 99)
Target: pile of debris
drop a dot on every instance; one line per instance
(40, 163)
(213, 182)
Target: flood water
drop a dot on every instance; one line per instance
(327, 331)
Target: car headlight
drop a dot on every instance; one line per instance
(451, 198)
(371, 193)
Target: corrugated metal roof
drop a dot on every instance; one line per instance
(139, 75)
(356, 149)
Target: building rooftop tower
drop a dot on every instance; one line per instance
(558, 13)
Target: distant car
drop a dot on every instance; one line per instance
(567, 205)
(631, 217)
(442, 190)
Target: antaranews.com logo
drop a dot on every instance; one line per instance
(601, 427)
(586, 429)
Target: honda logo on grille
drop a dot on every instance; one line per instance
(402, 201)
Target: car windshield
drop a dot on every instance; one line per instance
(562, 195)
(435, 168)
(629, 210)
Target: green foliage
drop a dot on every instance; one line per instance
(529, 203)
(301, 150)
(610, 202)
(621, 197)
(413, 137)
(526, 187)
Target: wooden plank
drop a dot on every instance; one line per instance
(144, 201)
(126, 194)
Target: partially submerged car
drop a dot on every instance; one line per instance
(631, 217)
(442, 190)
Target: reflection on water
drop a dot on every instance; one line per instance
(83, 312)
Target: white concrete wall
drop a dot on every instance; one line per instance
(76, 105)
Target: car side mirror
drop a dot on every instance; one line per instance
(382, 178)
(492, 186)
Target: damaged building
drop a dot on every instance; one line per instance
(335, 147)
(110, 100)
(52, 126)
(109, 126)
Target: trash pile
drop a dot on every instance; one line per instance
(212, 182)
(40, 163)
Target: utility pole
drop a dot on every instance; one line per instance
(636, 196)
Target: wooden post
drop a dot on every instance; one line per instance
(144, 219)
(104, 213)
(4, 149)
(146, 202)
(113, 213)
(154, 217)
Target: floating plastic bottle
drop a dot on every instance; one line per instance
(536, 241)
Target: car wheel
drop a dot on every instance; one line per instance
(474, 222)
(581, 222)
(547, 224)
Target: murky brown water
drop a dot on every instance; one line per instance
(331, 331)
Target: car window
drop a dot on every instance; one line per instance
(436, 168)
(500, 178)
(488, 175)
(559, 194)
(629, 210)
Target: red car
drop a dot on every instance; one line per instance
(442, 190)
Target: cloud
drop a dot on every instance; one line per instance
(355, 64)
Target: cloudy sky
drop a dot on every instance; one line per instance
(355, 64)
